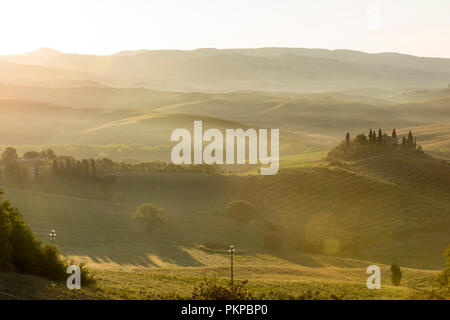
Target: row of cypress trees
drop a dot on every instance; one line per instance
(383, 139)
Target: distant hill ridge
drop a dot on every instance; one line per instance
(283, 69)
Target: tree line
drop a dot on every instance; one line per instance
(34, 164)
(382, 139)
(374, 143)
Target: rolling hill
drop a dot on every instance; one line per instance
(275, 69)
(115, 116)
(387, 204)
(36, 57)
(14, 286)
(334, 220)
(33, 123)
(36, 75)
(435, 138)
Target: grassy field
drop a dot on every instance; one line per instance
(270, 277)
(20, 287)
(335, 220)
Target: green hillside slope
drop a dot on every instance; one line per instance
(394, 206)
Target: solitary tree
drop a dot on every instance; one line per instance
(347, 138)
(241, 211)
(410, 139)
(361, 139)
(396, 275)
(149, 215)
(49, 153)
(394, 134)
(10, 154)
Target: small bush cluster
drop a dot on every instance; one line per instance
(151, 216)
(212, 290)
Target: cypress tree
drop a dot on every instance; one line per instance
(410, 139)
(380, 136)
(394, 136)
(396, 275)
(347, 138)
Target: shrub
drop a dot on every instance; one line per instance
(241, 211)
(212, 290)
(87, 279)
(51, 263)
(396, 275)
(150, 215)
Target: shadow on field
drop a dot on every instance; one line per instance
(137, 255)
(300, 259)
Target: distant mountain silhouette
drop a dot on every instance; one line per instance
(273, 69)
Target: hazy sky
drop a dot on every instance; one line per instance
(420, 27)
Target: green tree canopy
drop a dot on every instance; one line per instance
(21, 251)
(361, 139)
(149, 215)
